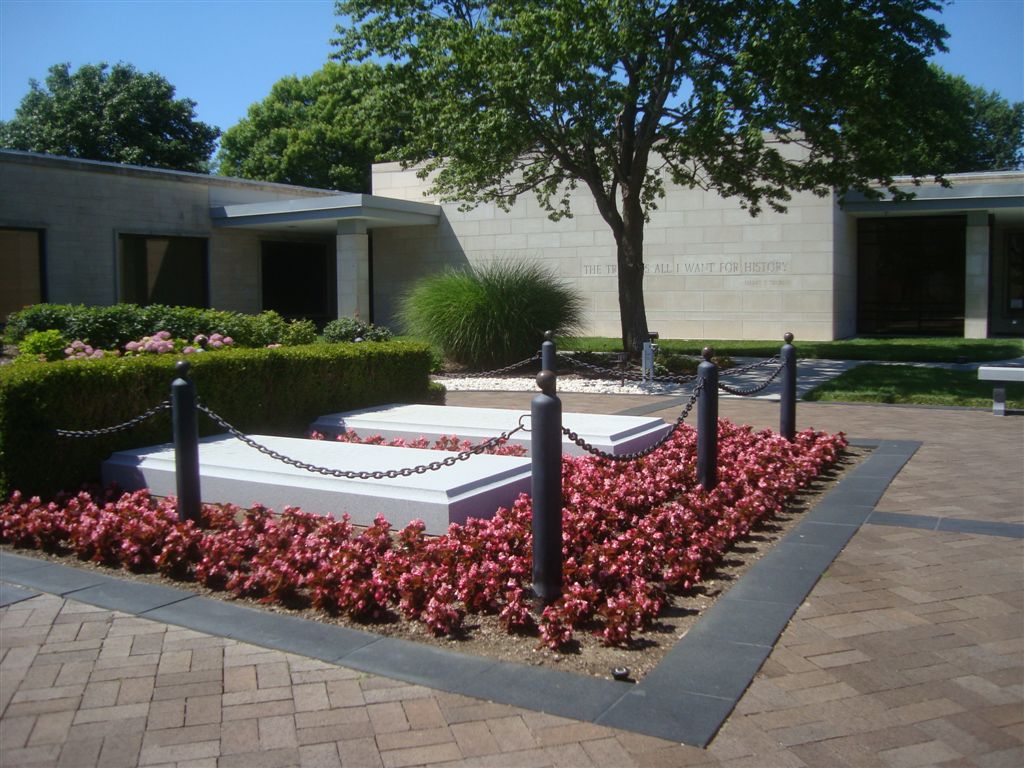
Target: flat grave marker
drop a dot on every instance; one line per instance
(232, 472)
(617, 435)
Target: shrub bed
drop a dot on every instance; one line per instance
(114, 326)
(275, 391)
(632, 536)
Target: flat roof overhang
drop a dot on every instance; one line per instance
(321, 215)
(998, 194)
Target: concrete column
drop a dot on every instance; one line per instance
(976, 278)
(353, 259)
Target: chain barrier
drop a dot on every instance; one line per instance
(748, 368)
(363, 475)
(486, 374)
(579, 441)
(611, 373)
(164, 406)
(754, 389)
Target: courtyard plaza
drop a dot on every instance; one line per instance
(909, 651)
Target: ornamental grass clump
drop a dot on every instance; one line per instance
(490, 315)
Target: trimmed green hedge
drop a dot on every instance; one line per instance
(264, 391)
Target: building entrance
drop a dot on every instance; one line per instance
(910, 275)
(298, 280)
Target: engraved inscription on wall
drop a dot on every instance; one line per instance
(689, 266)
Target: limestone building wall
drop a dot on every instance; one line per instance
(713, 271)
(83, 207)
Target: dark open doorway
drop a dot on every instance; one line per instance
(298, 280)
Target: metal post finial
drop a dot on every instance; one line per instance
(787, 337)
(548, 358)
(546, 382)
(707, 353)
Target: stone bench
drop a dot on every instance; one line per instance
(1002, 375)
(232, 472)
(613, 434)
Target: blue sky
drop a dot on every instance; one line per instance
(226, 54)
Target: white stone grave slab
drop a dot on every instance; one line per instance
(232, 472)
(613, 434)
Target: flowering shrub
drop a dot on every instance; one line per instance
(79, 350)
(632, 536)
(201, 343)
(160, 343)
(348, 329)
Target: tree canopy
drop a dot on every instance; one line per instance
(323, 130)
(110, 113)
(982, 131)
(754, 99)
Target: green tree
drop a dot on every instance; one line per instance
(110, 113)
(323, 130)
(981, 131)
(753, 99)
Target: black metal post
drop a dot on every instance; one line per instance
(707, 422)
(186, 443)
(548, 353)
(787, 409)
(546, 457)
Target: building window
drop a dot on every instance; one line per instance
(163, 270)
(298, 280)
(910, 275)
(1013, 297)
(22, 266)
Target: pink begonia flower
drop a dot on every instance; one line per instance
(632, 534)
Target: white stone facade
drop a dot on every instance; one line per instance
(713, 271)
(83, 207)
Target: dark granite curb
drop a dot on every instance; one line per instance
(685, 699)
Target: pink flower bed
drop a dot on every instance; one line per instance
(633, 534)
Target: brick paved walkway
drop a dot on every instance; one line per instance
(909, 652)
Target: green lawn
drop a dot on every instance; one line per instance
(909, 350)
(910, 384)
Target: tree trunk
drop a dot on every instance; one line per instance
(630, 254)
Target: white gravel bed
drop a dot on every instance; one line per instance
(565, 384)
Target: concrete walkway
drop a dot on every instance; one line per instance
(909, 651)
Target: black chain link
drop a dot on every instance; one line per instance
(165, 405)
(362, 475)
(579, 441)
(495, 372)
(611, 373)
(751, 367)
(754, 389)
